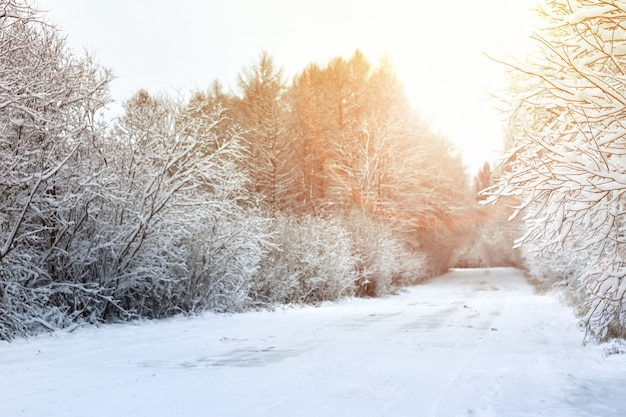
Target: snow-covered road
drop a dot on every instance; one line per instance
(471, 343)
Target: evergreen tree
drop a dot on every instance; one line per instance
(482, 181)
(264, 116)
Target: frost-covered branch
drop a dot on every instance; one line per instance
(568, 163)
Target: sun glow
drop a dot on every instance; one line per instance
(440, 51)
(437, 48)
(452, 79)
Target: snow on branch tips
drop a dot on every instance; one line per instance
(567, 161)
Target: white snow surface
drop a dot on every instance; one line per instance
(469, 343)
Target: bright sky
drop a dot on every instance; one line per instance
(436, 46)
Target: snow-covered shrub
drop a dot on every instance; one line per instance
(180, 231)
(491, 241)
(310, 261)
(557, 268)
(411, 265)
(149, 221)
(375, 251)
(383, 261)
(50, 101)
(223, 255)
(573, 269)
(25, 302)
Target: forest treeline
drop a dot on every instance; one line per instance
(326, 186)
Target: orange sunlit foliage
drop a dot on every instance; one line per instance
(355, 130)
(345, 138)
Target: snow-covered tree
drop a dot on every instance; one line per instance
(490, 239)
(568, 157)
(306, 127)
(183, 234)
(362, 146)
(370, 138)
(383, 259)
(263, 113)
(483, 180)
(311, 261)
(49, 99)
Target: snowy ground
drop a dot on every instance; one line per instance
(472, 343)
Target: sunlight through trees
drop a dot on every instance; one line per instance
(325, 186)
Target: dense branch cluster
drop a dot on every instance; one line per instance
(567, 164)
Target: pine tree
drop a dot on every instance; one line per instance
(482, 181)
(264, 116)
